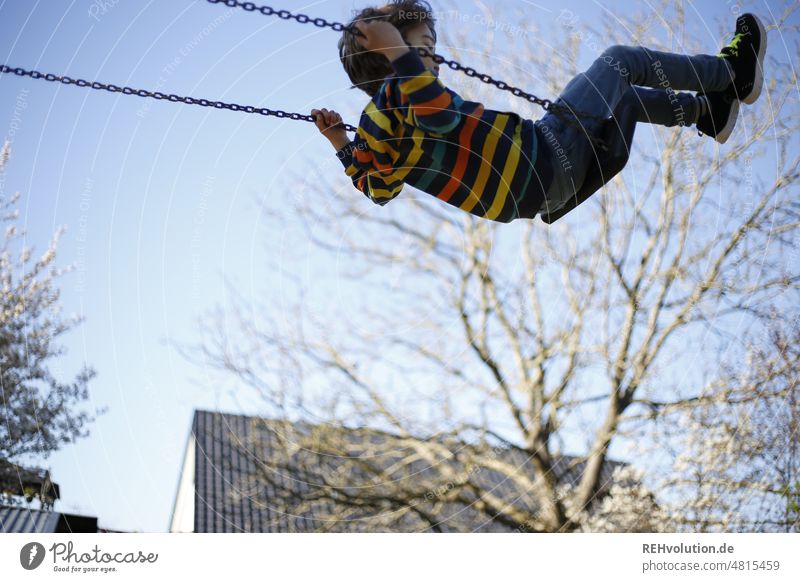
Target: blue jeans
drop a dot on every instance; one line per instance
(619, 78)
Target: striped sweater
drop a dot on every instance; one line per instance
(416, 131)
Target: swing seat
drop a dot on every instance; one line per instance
(617, 133)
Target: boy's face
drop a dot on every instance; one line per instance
(420, 37)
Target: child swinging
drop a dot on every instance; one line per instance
(495, 164)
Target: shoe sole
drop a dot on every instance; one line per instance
(758, 79)
(724, 133)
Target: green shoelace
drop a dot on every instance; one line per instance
(733, 46)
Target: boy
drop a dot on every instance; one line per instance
(494, 164)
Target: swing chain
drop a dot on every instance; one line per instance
(563, 111)
(159, 95)
(286, 15)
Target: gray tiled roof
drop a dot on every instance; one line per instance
(16, 519)
(227, 500)
(24, 520)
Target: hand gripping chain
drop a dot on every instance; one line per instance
(157, 94)
(563, 111)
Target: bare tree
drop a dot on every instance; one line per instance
(464, 338)
(739, 462)
(39, 412)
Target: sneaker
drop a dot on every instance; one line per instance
(722, 109)
(746, 54)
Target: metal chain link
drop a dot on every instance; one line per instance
(160, 96)
(564, 112)
(286, 15)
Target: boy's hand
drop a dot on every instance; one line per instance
(381, 37)
(330, 125)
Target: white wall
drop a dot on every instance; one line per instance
(183, 512)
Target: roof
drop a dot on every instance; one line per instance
(231, 494)
(24, 520)
(16, 519)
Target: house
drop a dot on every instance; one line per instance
(18, 487)
(242, 474)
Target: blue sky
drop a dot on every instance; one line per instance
(160, 201)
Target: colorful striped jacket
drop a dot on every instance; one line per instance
(417, 131)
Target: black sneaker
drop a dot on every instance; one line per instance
(719, 120)
(746, 53)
